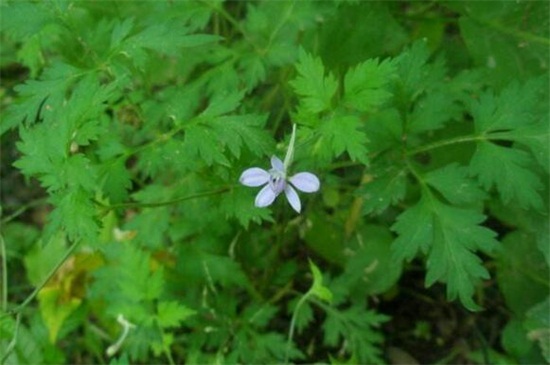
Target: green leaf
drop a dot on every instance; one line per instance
(386, 188)
(370, 269)
(318, 289)
(522, 272)
(508, 41)
(201, 143)
(450, 236)
(415, 74)
(43, 258)
(55, 309)
(315, 89)
(235, 130)
(453, 183)
(511, 116)
(239, 203)
(358, 327)
(76, 214)
(28, 349)
(342, 134)
(37, 99)
(171, 314)
(538, 324)
(366, 84)
(510, 170)
(432, 111)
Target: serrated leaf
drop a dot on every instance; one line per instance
(315, 89)
(171, 314)
(343, 135)
(222, 103)
(202, 143)
(432, 111)
(509, 170)
(74, 213)
(235, 130)
(239, 203)
(115, 180)
(453, 183)
(386, 188)
(415, 74)
(365, 84)
(357, 327)
(450, 236)
(39, 98)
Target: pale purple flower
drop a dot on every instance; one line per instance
(275, 181)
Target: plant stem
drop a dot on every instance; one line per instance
(52, 272)
(445, 142)
(13, 342)
(293, 323)
(162, 204)
(22, 210)
(4, 274)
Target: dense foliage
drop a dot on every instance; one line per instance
(127, 238)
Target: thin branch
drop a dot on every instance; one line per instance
(165, 203)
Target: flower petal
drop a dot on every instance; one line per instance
(265, 197)
(306, 182)
(254, 176)
(277, 164)
(293, 198)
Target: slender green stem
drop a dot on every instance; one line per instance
(533, 38)
(52, 272)
(4, 274)
(165, 203)
(23, 209)
(446, 142)
(13, 342)
(301, 302)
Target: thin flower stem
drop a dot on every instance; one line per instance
(35, 292)
(301, 302)
(4, 274)
(438, 144)
(165, 203)
(13, 342)
(23, 209)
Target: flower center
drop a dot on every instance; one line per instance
(277, 181)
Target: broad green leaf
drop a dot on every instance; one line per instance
(55, 308)
(74, 213)
(509, 41)
(171, 313)
(450, 236)
(432, 111)
(522, 273)
(365, 84)
(201, 143)
(239, 203)
(357, 327)
(315, 89)
(510, 171)
(370, 269)
(342, 134)
(415, 75)
(453, 183)
(39, 99)
(43, 258)
(386, 188)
